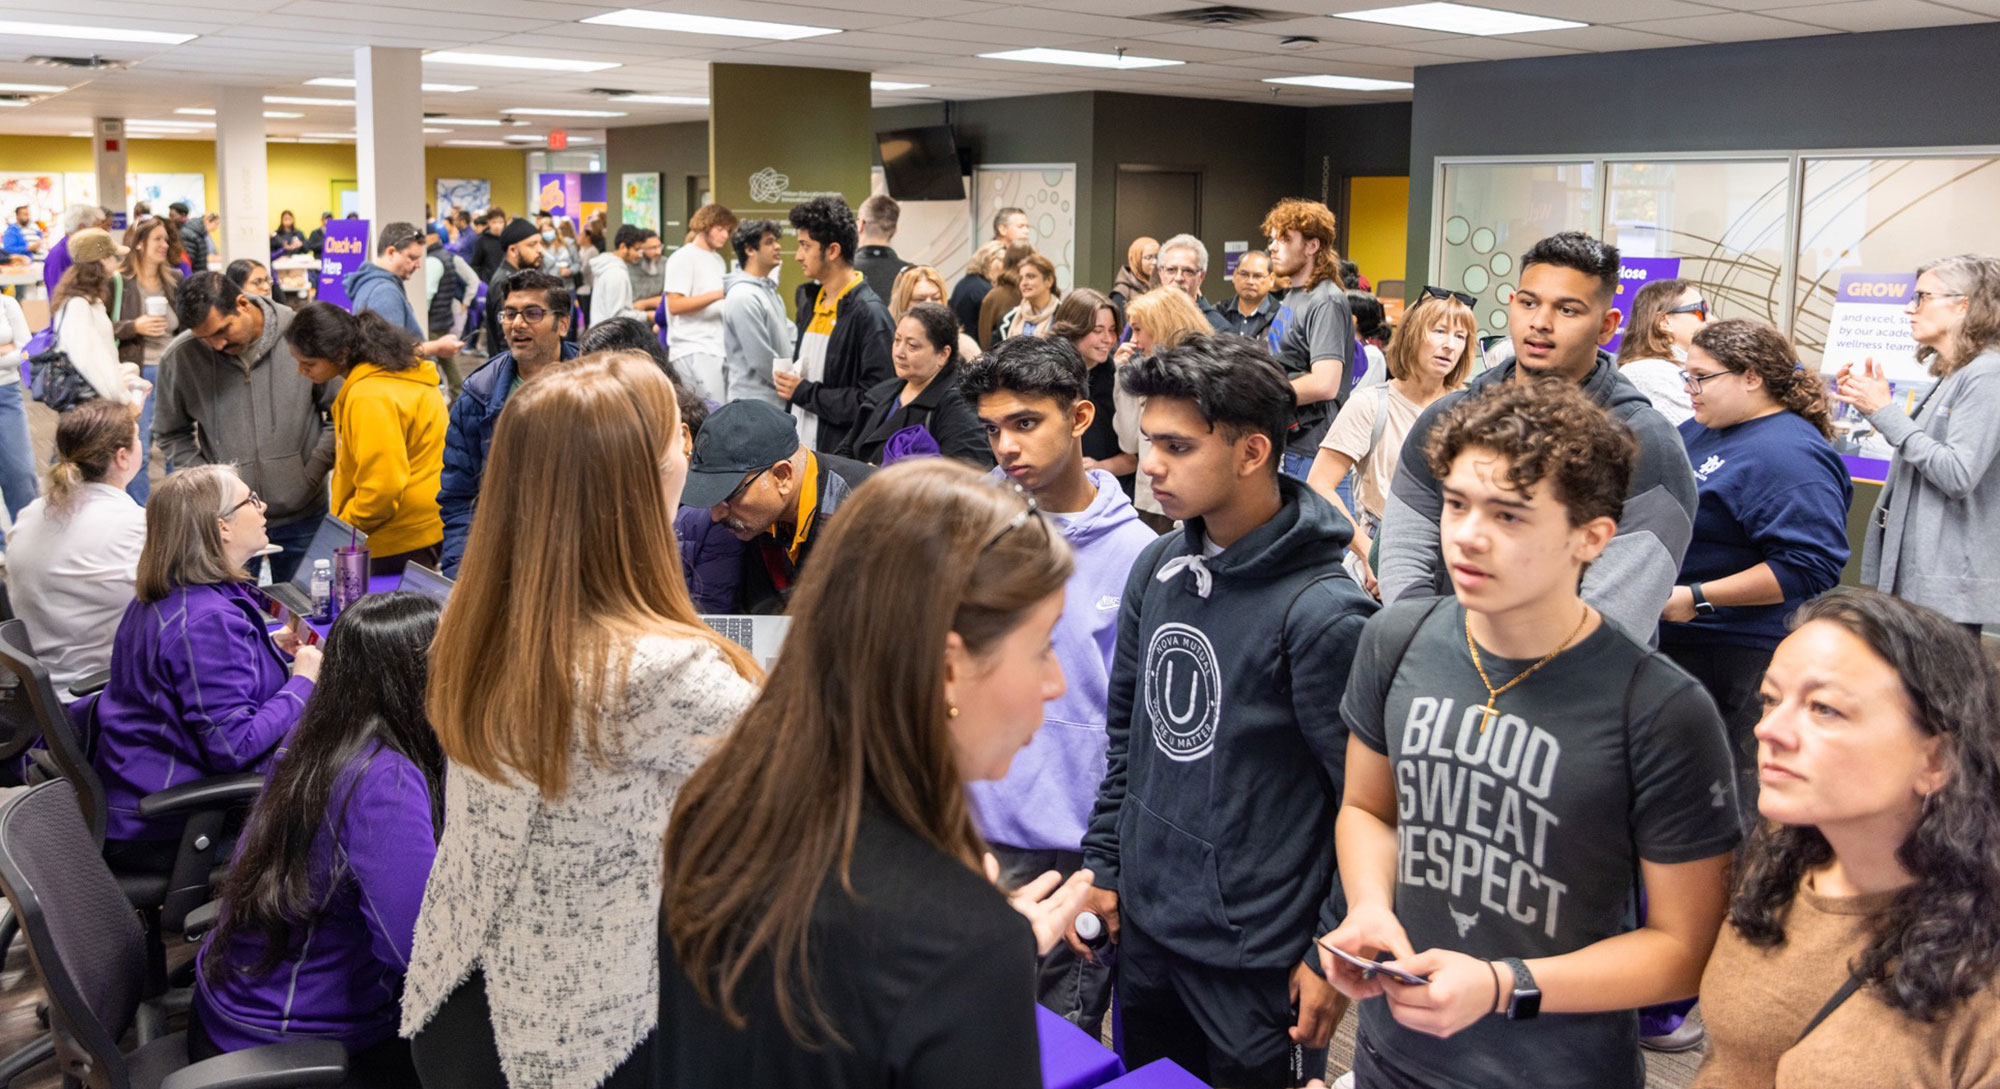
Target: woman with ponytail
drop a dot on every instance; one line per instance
(1770, 527)
(73, 554)
(388, 424)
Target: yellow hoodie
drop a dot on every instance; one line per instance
(388, 454)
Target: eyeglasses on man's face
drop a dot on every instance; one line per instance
(533, 315)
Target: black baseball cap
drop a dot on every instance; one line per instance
(739, 438)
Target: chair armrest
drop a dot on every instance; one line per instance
(214, 792)
(201, 920)
(272, 1066)
(44, 764)
(90, 684)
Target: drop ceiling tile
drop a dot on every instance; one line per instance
(1604, 12)
(1602, 39)
(1861, 16)
(1729, 27)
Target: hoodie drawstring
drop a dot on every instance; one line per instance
(1204, 580)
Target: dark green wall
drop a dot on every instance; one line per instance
(678, 152)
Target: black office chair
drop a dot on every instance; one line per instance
(90, 953)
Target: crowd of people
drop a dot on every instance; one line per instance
(1327, 664)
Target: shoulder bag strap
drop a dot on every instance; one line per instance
(1381, 417)
(1845, 992)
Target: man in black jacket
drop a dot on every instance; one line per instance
(876, 260)
(749, 468)
(844, 330)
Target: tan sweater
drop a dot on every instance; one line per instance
(1756, 1002)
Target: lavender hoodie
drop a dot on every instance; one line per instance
(1044, 802)
(197, 689)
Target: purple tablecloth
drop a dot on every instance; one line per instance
(1157, 1075)
(1070, 1058)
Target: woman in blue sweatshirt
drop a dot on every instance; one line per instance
(1770, 526)
(320, 906)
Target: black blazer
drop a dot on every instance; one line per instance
(857, 359)
(939, 409)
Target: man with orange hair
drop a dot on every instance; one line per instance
(1313, 333)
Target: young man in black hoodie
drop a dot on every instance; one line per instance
(843, 329)
(1559, 316)
(1520, 773)
(1211, 837)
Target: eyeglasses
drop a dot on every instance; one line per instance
(1699, 306)
(1442, 293)
(1028, 513)
(533, 315)
(253, 499)
(1178, 271)
(1918, 300)
(1693, 381)
(743, 487)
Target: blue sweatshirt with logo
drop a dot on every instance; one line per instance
(1214, 822)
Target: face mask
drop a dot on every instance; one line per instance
(548, 236)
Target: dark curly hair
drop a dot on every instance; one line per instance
(1938, 942)
(1547, 429)
(1751, 347)
(830, 222)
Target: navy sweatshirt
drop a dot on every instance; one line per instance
(1771, 490)
(1214, 822)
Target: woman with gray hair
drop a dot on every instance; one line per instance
(76, 217)
(1930, 536)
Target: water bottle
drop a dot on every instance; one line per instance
(1090, 927)
(322, 589)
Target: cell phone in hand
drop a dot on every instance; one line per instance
(1371, 968)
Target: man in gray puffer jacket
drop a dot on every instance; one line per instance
(755, 330)
(229, 392)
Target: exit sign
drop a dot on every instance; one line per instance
(558, 140)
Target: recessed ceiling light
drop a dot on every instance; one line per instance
(475, 143)
(83, 133)
(12, 29)
(709, 24)
(664, 100)
(12, 104)
(33, 88)
(436, 132)
(190, 125)
(281, 115)
(1343, 83)
(484, 121)
(534, 112)
(434, 88)
(524, 138)
(195, 111)
(497, 60)
(890, 85)
(328, 135)
(1459, 19)
(1078, 58)
(294, 100)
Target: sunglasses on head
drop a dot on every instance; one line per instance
(1443, 293)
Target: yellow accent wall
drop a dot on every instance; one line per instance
(1378, 226)
(299, 174)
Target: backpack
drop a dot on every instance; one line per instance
(52, 378)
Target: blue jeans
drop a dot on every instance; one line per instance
(294, 538)
(141, 487)
(1299, 466)
(17, 452)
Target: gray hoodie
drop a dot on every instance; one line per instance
(755, 331)
(255, 411)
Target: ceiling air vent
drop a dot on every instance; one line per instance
(92, 64)
(1218, 16)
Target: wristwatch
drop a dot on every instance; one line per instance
(1526, 1000)
(1701, 603)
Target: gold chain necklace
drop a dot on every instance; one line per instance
(1492, 693)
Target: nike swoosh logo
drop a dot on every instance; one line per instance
(1107, 603)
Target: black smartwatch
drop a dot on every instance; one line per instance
(1701, 604)
(1526, 1000)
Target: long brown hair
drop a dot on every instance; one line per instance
(184, 533)
(855, 711)
(1168, 316)
(1743, 346)
(1076, 315)
(572, 554)
(1978, 279)
(85, 280)
(135, 241)
(1411, 340)
(88, 437)
(1644, 339)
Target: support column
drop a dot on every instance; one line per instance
(389, 143)
(107, 150)
(242, 172)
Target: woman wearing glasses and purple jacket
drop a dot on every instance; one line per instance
(198, 687)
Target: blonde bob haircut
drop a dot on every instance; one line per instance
(1168, 316)
(1411, 342)
(572, 557)
(901, 295)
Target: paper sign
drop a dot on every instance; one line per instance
(1869, 323)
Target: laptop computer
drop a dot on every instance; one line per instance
(296, 595)
(419, 579)
(760, 635)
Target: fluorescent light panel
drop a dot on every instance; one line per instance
(328, 135)
(9, 104)
(273, 115)
(1079, 59)
(485, 121)
(436, 132)
(1343, 83)
(294, 100)
(891, 85)
(497, 60)
(10, 28)
(680, 23)
(32, 88)
(664, 100)
(1459, 19)
(189, 125)
(475, 143)
(433, 88)
(530, 111)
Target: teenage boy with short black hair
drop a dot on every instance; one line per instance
(1520, 772)
(1211, 839)
(1033, 396)
(1559, 316)
(843, 328)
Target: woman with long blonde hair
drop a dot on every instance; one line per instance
(1161, 319)
(573, 689)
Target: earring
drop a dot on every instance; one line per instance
(951, 710)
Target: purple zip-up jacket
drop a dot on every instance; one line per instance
(342, 978)
(55, 264)
(197, 689)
